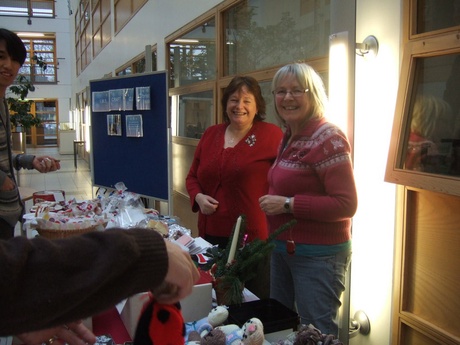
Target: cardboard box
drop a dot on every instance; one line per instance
(198, 304)
(130, 311)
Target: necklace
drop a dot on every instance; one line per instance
(231, 139)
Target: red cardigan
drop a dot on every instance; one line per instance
(315, 169)
(236, 177)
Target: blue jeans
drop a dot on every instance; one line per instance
(312, 284)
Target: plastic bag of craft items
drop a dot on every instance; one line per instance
(127, 208)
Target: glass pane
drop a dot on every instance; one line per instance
(44, 45)
(193, 56)
(264, 33)
(433, 130)
(435, 14)
(140, 66)
(195, 114)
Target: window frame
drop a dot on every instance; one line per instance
(33, 12)
(416, 46)
(32, 76)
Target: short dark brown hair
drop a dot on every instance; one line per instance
(253, 87)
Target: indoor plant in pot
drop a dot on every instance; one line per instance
(19, 106)
(232, 266)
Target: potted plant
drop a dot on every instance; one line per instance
(20, 117)
(232, 266)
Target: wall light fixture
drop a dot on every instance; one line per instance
(369, 48)
(359, 324)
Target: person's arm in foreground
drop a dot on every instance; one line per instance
(47, 283)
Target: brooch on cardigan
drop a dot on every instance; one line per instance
(251, 140)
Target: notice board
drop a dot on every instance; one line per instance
(130, 134)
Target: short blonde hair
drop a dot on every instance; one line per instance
(309, 79)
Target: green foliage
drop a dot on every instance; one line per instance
(232, 276)
(19, 106)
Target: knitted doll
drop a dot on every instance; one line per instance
(217, 316)
(253, 332)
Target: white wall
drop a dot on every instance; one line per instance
(156, 20)
(373, 226)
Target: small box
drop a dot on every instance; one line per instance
(278, 320)
(130, 311)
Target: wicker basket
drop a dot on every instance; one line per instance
(59, 233)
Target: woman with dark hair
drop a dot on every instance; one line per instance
(229, 170)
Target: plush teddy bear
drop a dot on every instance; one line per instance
(217, 316)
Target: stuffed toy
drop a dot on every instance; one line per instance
(252, 333)
(233, 334)
(217, 316)
(310, 335)
(160, 324)
(213, 337)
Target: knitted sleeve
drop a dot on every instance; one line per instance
(51, 282)
(23, 161)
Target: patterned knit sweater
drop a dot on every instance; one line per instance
(315, 169)
(11, 207)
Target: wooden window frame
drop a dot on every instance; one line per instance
(415, 46)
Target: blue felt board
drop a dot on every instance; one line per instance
(140, 162)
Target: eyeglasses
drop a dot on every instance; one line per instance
(281, 93)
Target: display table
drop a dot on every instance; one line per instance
(26, 193)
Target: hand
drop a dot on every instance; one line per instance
(8, 184)
(181, 276)
(272, 204)
(46, 164)
(208, 205)
(74, 333)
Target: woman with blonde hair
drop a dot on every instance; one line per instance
(311, 181)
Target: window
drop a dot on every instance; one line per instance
(193, 55)
(138, 64)
(264, 33)
(425, 144)
(256, 38)
(196, 113)
(20, 8)
(102, 34)
(46, 132)
(125, 10)
(82, 36)
(44, 48)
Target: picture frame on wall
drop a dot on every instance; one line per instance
(134, 126)
(114, 125)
